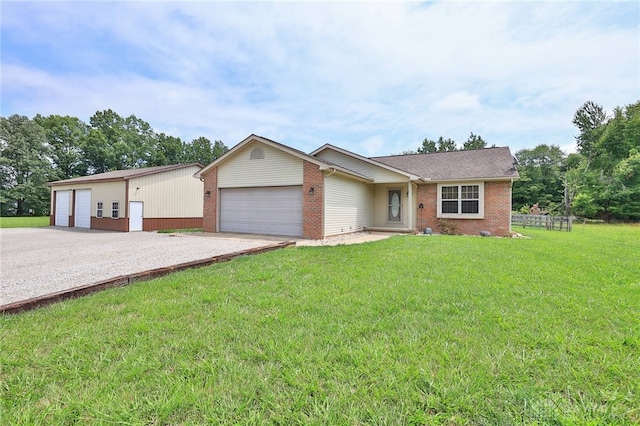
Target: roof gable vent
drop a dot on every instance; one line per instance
(257, 154)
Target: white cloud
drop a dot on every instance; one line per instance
(352, 74)
(459, 101)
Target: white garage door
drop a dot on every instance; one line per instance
(269, 210)
(62, 208)
(82, 214)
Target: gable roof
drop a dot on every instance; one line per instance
(323, 164)
(324, 147)
(487, 163)
(122, 175)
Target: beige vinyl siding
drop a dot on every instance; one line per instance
(378, 174)
(277, 168)
(105, 192)
(382, 203)
(348, 205)
(171, 194)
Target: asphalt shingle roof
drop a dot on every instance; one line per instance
(487, 163)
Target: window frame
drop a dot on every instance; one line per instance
(460, 215)
(115, 210)
(99, 209)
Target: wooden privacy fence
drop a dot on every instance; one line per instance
(542, 221)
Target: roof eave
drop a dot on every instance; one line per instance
(411, 176)
(254, 137)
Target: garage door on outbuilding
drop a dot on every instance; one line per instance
(82, 213)
(148, 198)
(62, 208)
(262, 210)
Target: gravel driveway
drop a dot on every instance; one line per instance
(39, 261)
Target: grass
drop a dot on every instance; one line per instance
(411, 330)
(24, 222)
(182, 230)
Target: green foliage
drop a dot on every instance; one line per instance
(445, 145)
(441, 145)
(474, 142)
(626, 176)
(65, 136)
(599, 180)
(428, 146)
(24, 222)
(45, 149)
(584, 205)
(201, 151)
(24, 167)
(410, 330)
(540, 176)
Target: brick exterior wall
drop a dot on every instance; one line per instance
(497, 210)
(108, 224)
(312, 204)
(210, 209)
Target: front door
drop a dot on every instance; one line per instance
(135, 215)
(395, 206)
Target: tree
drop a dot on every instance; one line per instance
(24, 166)
(474, 142)
(589, 119)
(116, 143)
(65, 136)
(428, 146)
(540, 176)
(446, 145)
(626, 188)
(166, 150)
(201, 151)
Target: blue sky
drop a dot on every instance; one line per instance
(375, 78)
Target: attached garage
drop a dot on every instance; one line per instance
(262, 210)
(263, 187)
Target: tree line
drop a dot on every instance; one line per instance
(34, 151)
(601, 180)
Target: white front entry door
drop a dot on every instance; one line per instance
(135, 215)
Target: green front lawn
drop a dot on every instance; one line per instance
(24, 222)
(410, 330)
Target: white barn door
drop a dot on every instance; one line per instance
(82, 214)
(62, 208)
(135, 215)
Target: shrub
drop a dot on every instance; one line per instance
(447, 227)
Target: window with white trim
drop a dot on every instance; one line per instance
(99, 209)
(464, 201)
(115, 209)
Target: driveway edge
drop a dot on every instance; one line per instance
(123, 280)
